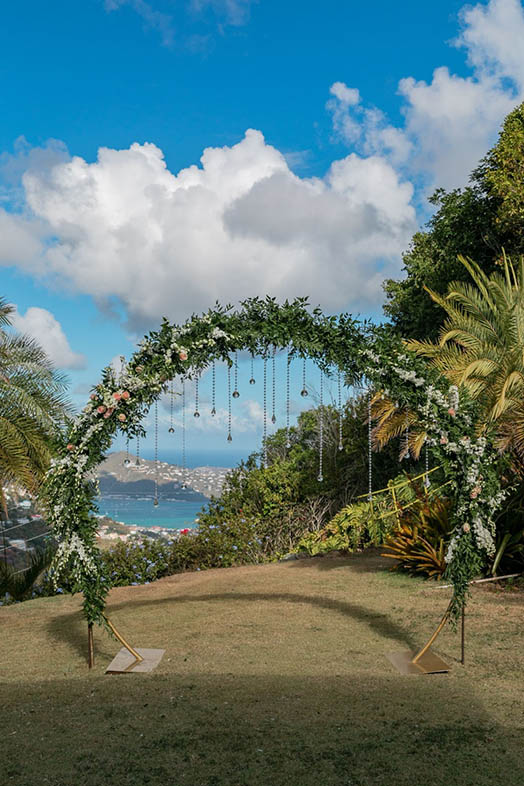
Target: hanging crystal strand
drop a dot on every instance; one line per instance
(288, 443)
(273, 390)
(184, 484)
(370, 457)
(427, 482)
(264, 432)
(127, 462)
(407, 453)
(340, 446)
(252, 378)
(236, 394)
(213, 389)
(229, 437)
(155, 500)
(171, 407)
(304, 392)
(321, 430)
(137, 462)
(196, 413)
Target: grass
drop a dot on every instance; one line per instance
(273, 674)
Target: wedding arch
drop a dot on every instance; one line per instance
(360, 351)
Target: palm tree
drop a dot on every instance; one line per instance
(32, 407)
(481, 345)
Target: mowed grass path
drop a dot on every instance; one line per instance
(273, 674)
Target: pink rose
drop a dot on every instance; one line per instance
(93, 396)
(475, 492)
(70, 446)
(122, 417)
(117, 396)
(451, 412)
(109, 412)
(101, 409)
(126, 394)
(182, 355)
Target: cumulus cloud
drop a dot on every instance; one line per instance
(241, 224)
(43, 326)
(451, 121)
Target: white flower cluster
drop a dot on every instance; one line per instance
(73, 546)
(483, 536)
(453, 397)
(409, 376)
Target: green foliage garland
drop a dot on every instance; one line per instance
(359, 350)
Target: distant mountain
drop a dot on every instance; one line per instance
(115, 478)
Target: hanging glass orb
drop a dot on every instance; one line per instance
(127, 462)
(196, 414)
(304, 393)
(320, 478)
(273, 419)
(427, 482)
(171, 430)
(251, 381)
(229, 438)
(236, 394)
(155, 502)
(137, 463)
(341, 447)
(213, 412)
(183, 486)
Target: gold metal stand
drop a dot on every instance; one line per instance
(90, 646)
(129, 659)
(424, 661)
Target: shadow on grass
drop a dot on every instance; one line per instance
(234, 730)
(368, 561)
(72, 629)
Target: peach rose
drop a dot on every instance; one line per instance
(126, 395)
(70, 446)
(139, 369)
(122, 417)
(451, 412)
(182, 355)
(101, 409)
(93, 396)
(117, 396)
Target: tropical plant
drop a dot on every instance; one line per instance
(419, 542)
(32, 406)
(481, 345)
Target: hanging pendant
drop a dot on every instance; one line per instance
(155, 500)
(273, 386)
(126, 460)
(264, 430)
(427, 482)
(304, 392)
(196, 413)
(184, 478)
(171, 428)
(370, 454)
(236, 394)
(288, 443)
(213, 389)
(137, 462)
(320, 477)
(252, 378)
(229, 437)
(340, 445)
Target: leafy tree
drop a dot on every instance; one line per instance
(477, 221)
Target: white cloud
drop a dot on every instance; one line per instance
(240, 225)
(234, 12)
(41, 325)
(451, 121)
(156, 20)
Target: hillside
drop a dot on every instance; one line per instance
(115, 478)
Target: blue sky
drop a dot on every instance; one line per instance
(325, 127)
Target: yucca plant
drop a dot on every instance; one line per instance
(419, 541)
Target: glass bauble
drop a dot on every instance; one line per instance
(236, 394)
(304, 393)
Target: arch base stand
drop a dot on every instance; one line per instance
(429, 663)
(124, 662)
(424, 661)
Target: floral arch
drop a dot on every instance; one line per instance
(359, 350)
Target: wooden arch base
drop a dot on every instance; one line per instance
(128, 659)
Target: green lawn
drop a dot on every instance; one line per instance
(273, 674)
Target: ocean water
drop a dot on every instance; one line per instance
(170, 513)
